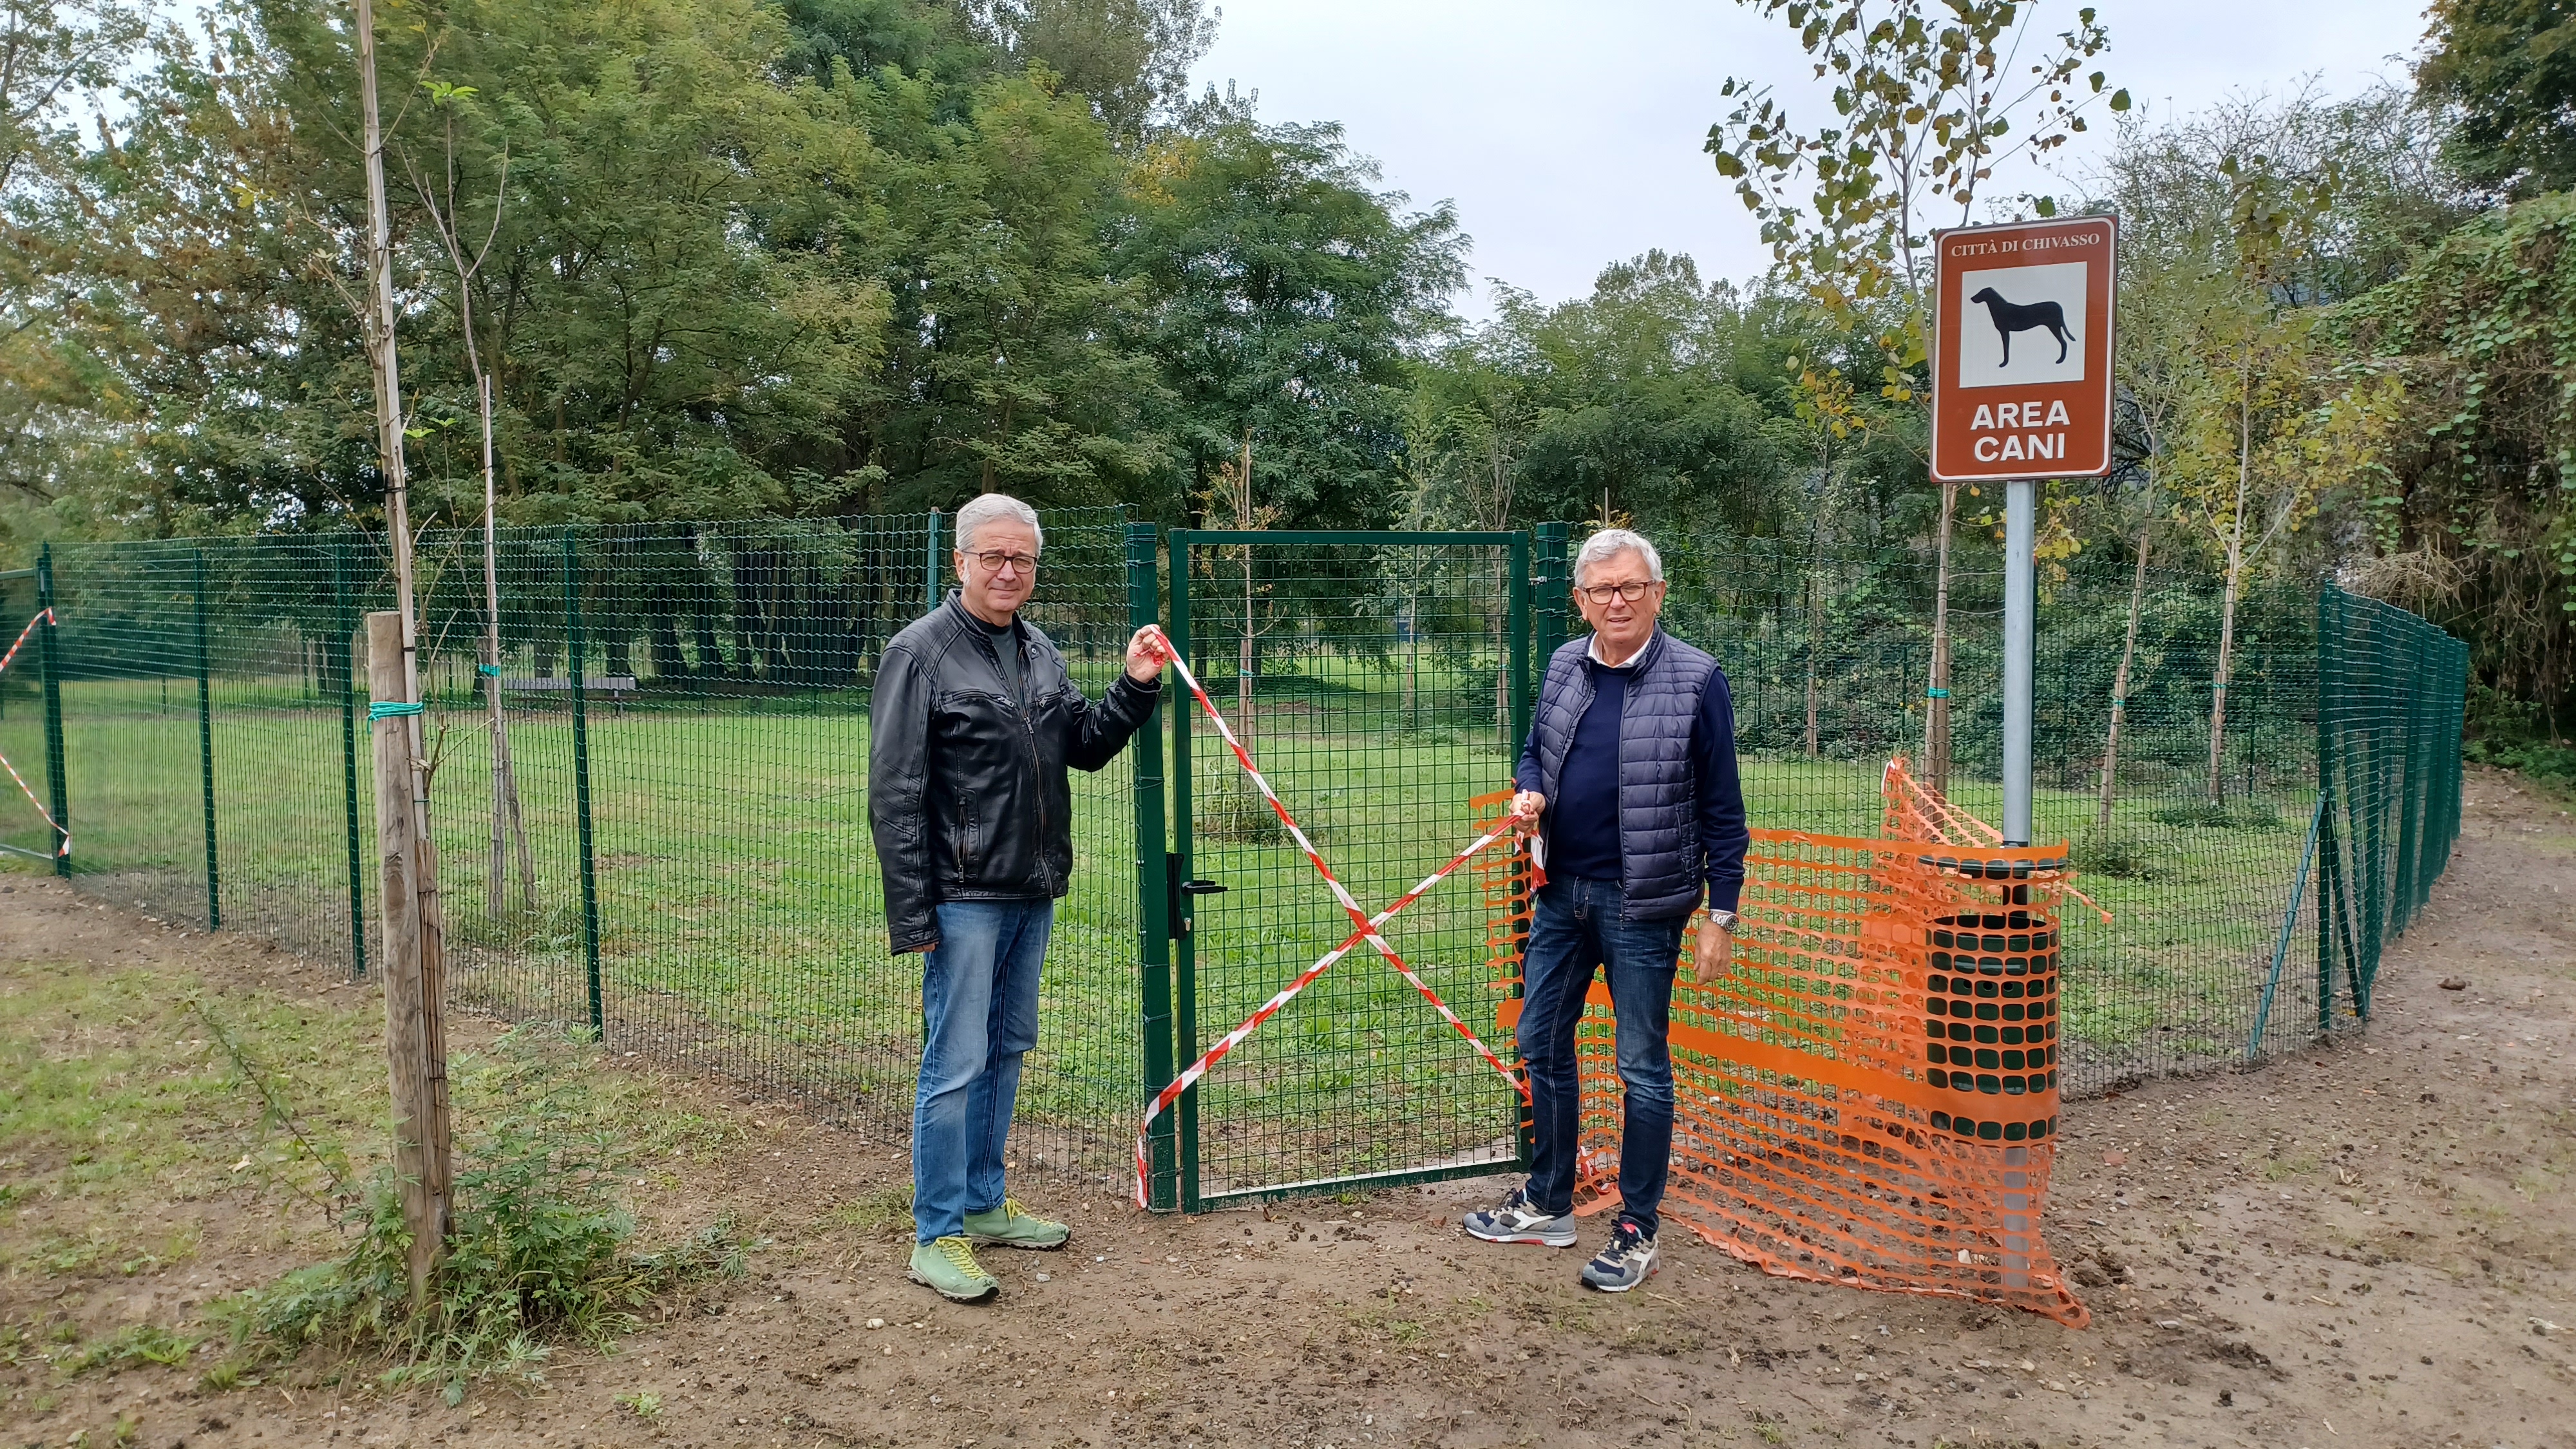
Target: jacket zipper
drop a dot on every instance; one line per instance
(1037, 764)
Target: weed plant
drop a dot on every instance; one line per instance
(540, 1253)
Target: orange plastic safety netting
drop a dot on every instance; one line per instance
(1870, 1096)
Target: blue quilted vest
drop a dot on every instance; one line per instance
(1663, 872)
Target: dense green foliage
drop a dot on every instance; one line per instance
(812, 258)
(2477, 525)
(2508, 68)
(730, 258)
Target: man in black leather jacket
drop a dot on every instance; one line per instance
(971, 727)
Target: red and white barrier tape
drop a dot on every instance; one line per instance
(43, 616)
(1366, 929)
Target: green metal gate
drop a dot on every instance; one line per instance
(1382, 681)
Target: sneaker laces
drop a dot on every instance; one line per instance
(960, 1254)
(1012, 1211)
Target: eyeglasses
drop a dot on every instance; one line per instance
(993, 562)
(1602, 593)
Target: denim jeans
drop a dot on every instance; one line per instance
(979, 1014)
(1575, 931)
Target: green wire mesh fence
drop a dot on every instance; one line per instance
(674, 850)
(681, 859)
(1382, 682)
(2194, 856)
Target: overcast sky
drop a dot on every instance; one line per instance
(1568, 132)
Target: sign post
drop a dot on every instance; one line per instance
(2021, 390)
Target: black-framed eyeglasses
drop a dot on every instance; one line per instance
(993, 562)
(1602, 593)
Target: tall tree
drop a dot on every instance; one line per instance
(1130, 58)
(2244, 421)
(660, 331)
(2507, 70)
(55, 55)
(1285, 298)
(1927, 95)
(2475, 521)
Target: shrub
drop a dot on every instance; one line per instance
(539, 1254)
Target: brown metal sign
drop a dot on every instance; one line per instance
(2021, 356)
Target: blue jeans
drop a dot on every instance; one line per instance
(1575, 931)
(979, 1017)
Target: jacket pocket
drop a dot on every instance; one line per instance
(969, 850)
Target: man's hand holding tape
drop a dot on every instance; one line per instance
(1711, 955)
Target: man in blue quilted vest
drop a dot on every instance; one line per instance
(1628, 784)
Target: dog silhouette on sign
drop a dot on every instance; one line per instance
(2010, 318)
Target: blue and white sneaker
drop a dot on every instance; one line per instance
(1518, 1220)
(1627, 1262)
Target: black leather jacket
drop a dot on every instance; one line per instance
(967, 795)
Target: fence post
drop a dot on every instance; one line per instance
(1548, 585)
(2410, 828)
(206, 754)
(1550, 595)
(346, 633)
(1518, 628)
(573, 651)
(1153, 888)
(51, 667)
(415, 1040)
(2327, 838)
(930, 564)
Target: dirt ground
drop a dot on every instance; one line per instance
(2372, 1243)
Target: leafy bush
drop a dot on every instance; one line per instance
(2511, 734)
(2120, 857)
(2545, 762)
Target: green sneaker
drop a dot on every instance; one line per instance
(947, 1267)
(1011, 1227)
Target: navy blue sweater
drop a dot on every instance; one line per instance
(1583, 832)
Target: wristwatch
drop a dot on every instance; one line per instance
(1723, 920)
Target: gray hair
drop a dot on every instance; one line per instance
(993, 508)
(1609, 543)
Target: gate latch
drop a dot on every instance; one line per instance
(1179, 888)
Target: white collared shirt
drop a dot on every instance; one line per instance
(1593, 651)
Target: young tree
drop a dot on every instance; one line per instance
(1927, 96)
(1469, 425)
(2242, 417)
(438, 198)
(2276, 423)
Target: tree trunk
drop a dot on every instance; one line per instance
(508, 824)
(1244, 652)
(414, 972)
(2120, 693)
(1503, 652)
(404, 837)
(1413, 658)
(1936, 714)
(1815, 647)
(2235, 584)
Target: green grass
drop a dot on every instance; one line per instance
(149, 1118)
(741, 925)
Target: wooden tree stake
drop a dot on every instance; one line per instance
(415, 964)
